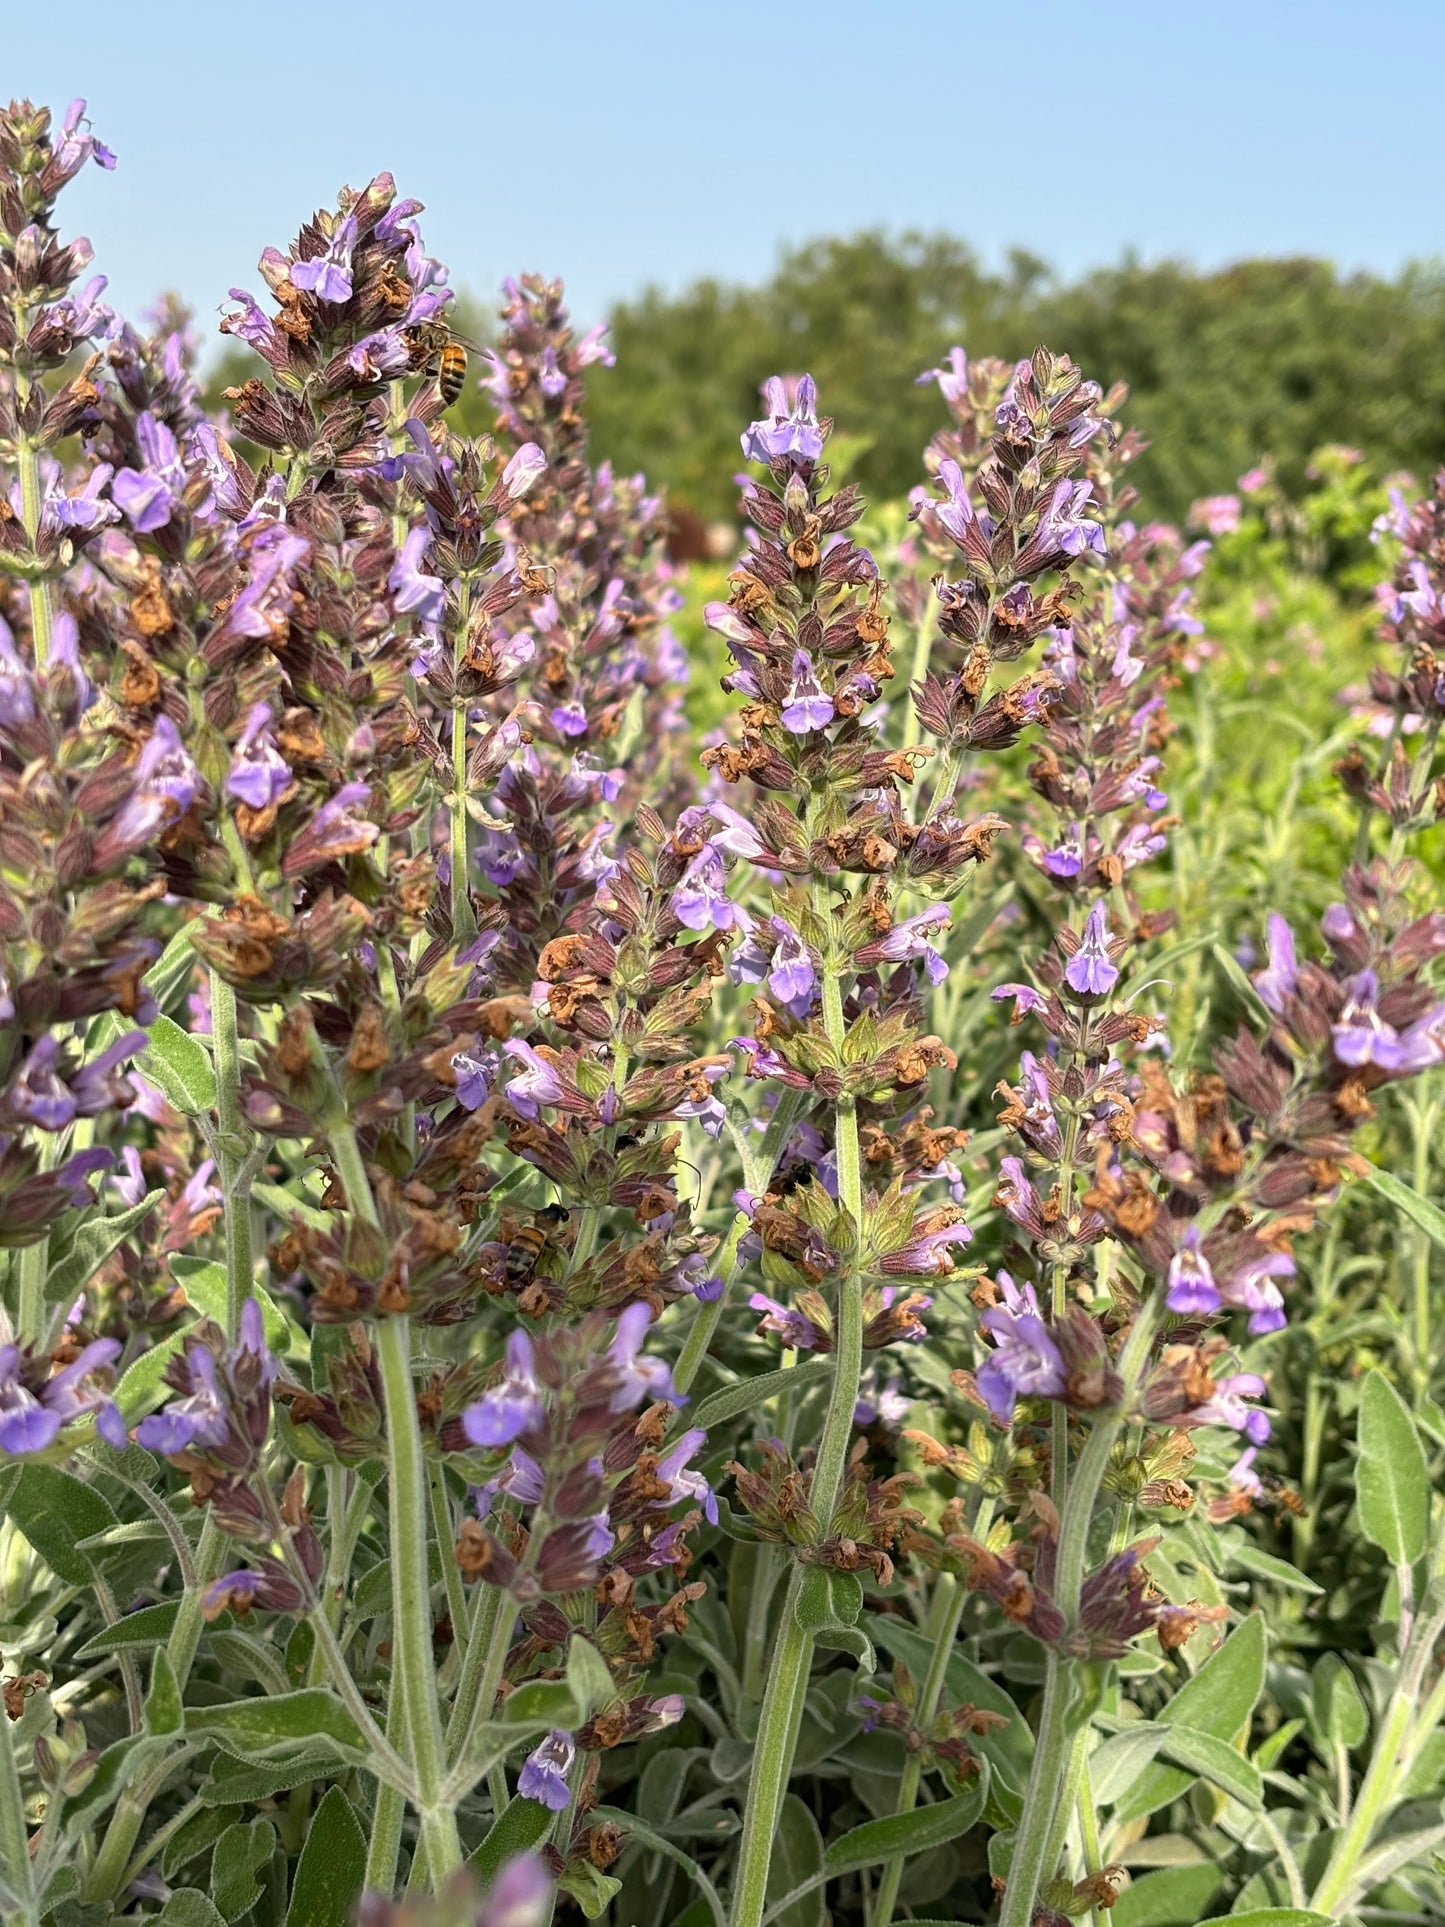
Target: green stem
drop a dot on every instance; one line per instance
(384, 1847)
(186, 1632)
(1390, 1758)
(1031, 1838)
(411, 1594)
(464, 922)
(34, 1317)
(1053, 1756)
(1424, 1130)
(451, 1572)
(772, 1760)
(942, 1628)
(782, 1707)
(15, 1834)
(758, 1174)
(767, 1571)
(185, 1638)
(32, 496)
(233, 1145)
(487, 1649)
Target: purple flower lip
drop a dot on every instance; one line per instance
(808, 704)
(545, 1770)
(1091, 971)
(785, 433)
(1192, 1290)
(1025, 1361)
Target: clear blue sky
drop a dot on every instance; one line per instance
(627, 143)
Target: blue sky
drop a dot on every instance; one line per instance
(627, 143)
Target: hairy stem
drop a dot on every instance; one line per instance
(410, 1598)
(942, 1628)
(788, 1679)
(464, 922)
(15, 1869)
(233, 1145)
(34, 1267)
(32, 499)
(1390, 1759)
(1053, 1756)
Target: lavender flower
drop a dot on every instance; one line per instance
(807, 704)
(1091, 971)
(788, 430)
(1192, 1290)
(259, 775)
(545, 1770)
(513, 1407)
(35, 1408)
(1025, 1362)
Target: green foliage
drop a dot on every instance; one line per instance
(1263, 358)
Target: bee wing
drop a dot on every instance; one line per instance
(465, 341)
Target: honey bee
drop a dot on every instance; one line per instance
(526, 1245)
(1282, 1494)
(437, 347)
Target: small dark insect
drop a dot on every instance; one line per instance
(1282, 1494)
(526, 1245)
(442, 352)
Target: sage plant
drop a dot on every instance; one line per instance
(464, 1157)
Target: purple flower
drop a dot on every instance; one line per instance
(1067, 858)
(472, 1075)
(734, 833)
(336, 830)
(1192, 1290)
(1025, 1362)
(1253, 1290)
(81, 513)
(672, 1470)
(259, 774)
(1227, 1407)
(955, 511)
(1064, 525)
(32, 1415)
(641, 1377)
(808, 705)
(952, 380)
(1025, 999)
(569, 719)
(520, 1896)
(537, 1084)
(701, 896)
(233, 1589)
(799, 1334)
(785, 433)
(1242, 1475)
(545, 1770)
(199, 1418)
(73, 149)
(930, 1254)
(913, 938)
(499, 855)
(1091, 971)
(791, 976)
(520, 475)
(149, 497)
(1361, 1036)
(165, 783)
(880, 1404)
(502, 1415)
(328, 276)
(1276, 983)
(413, 589)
